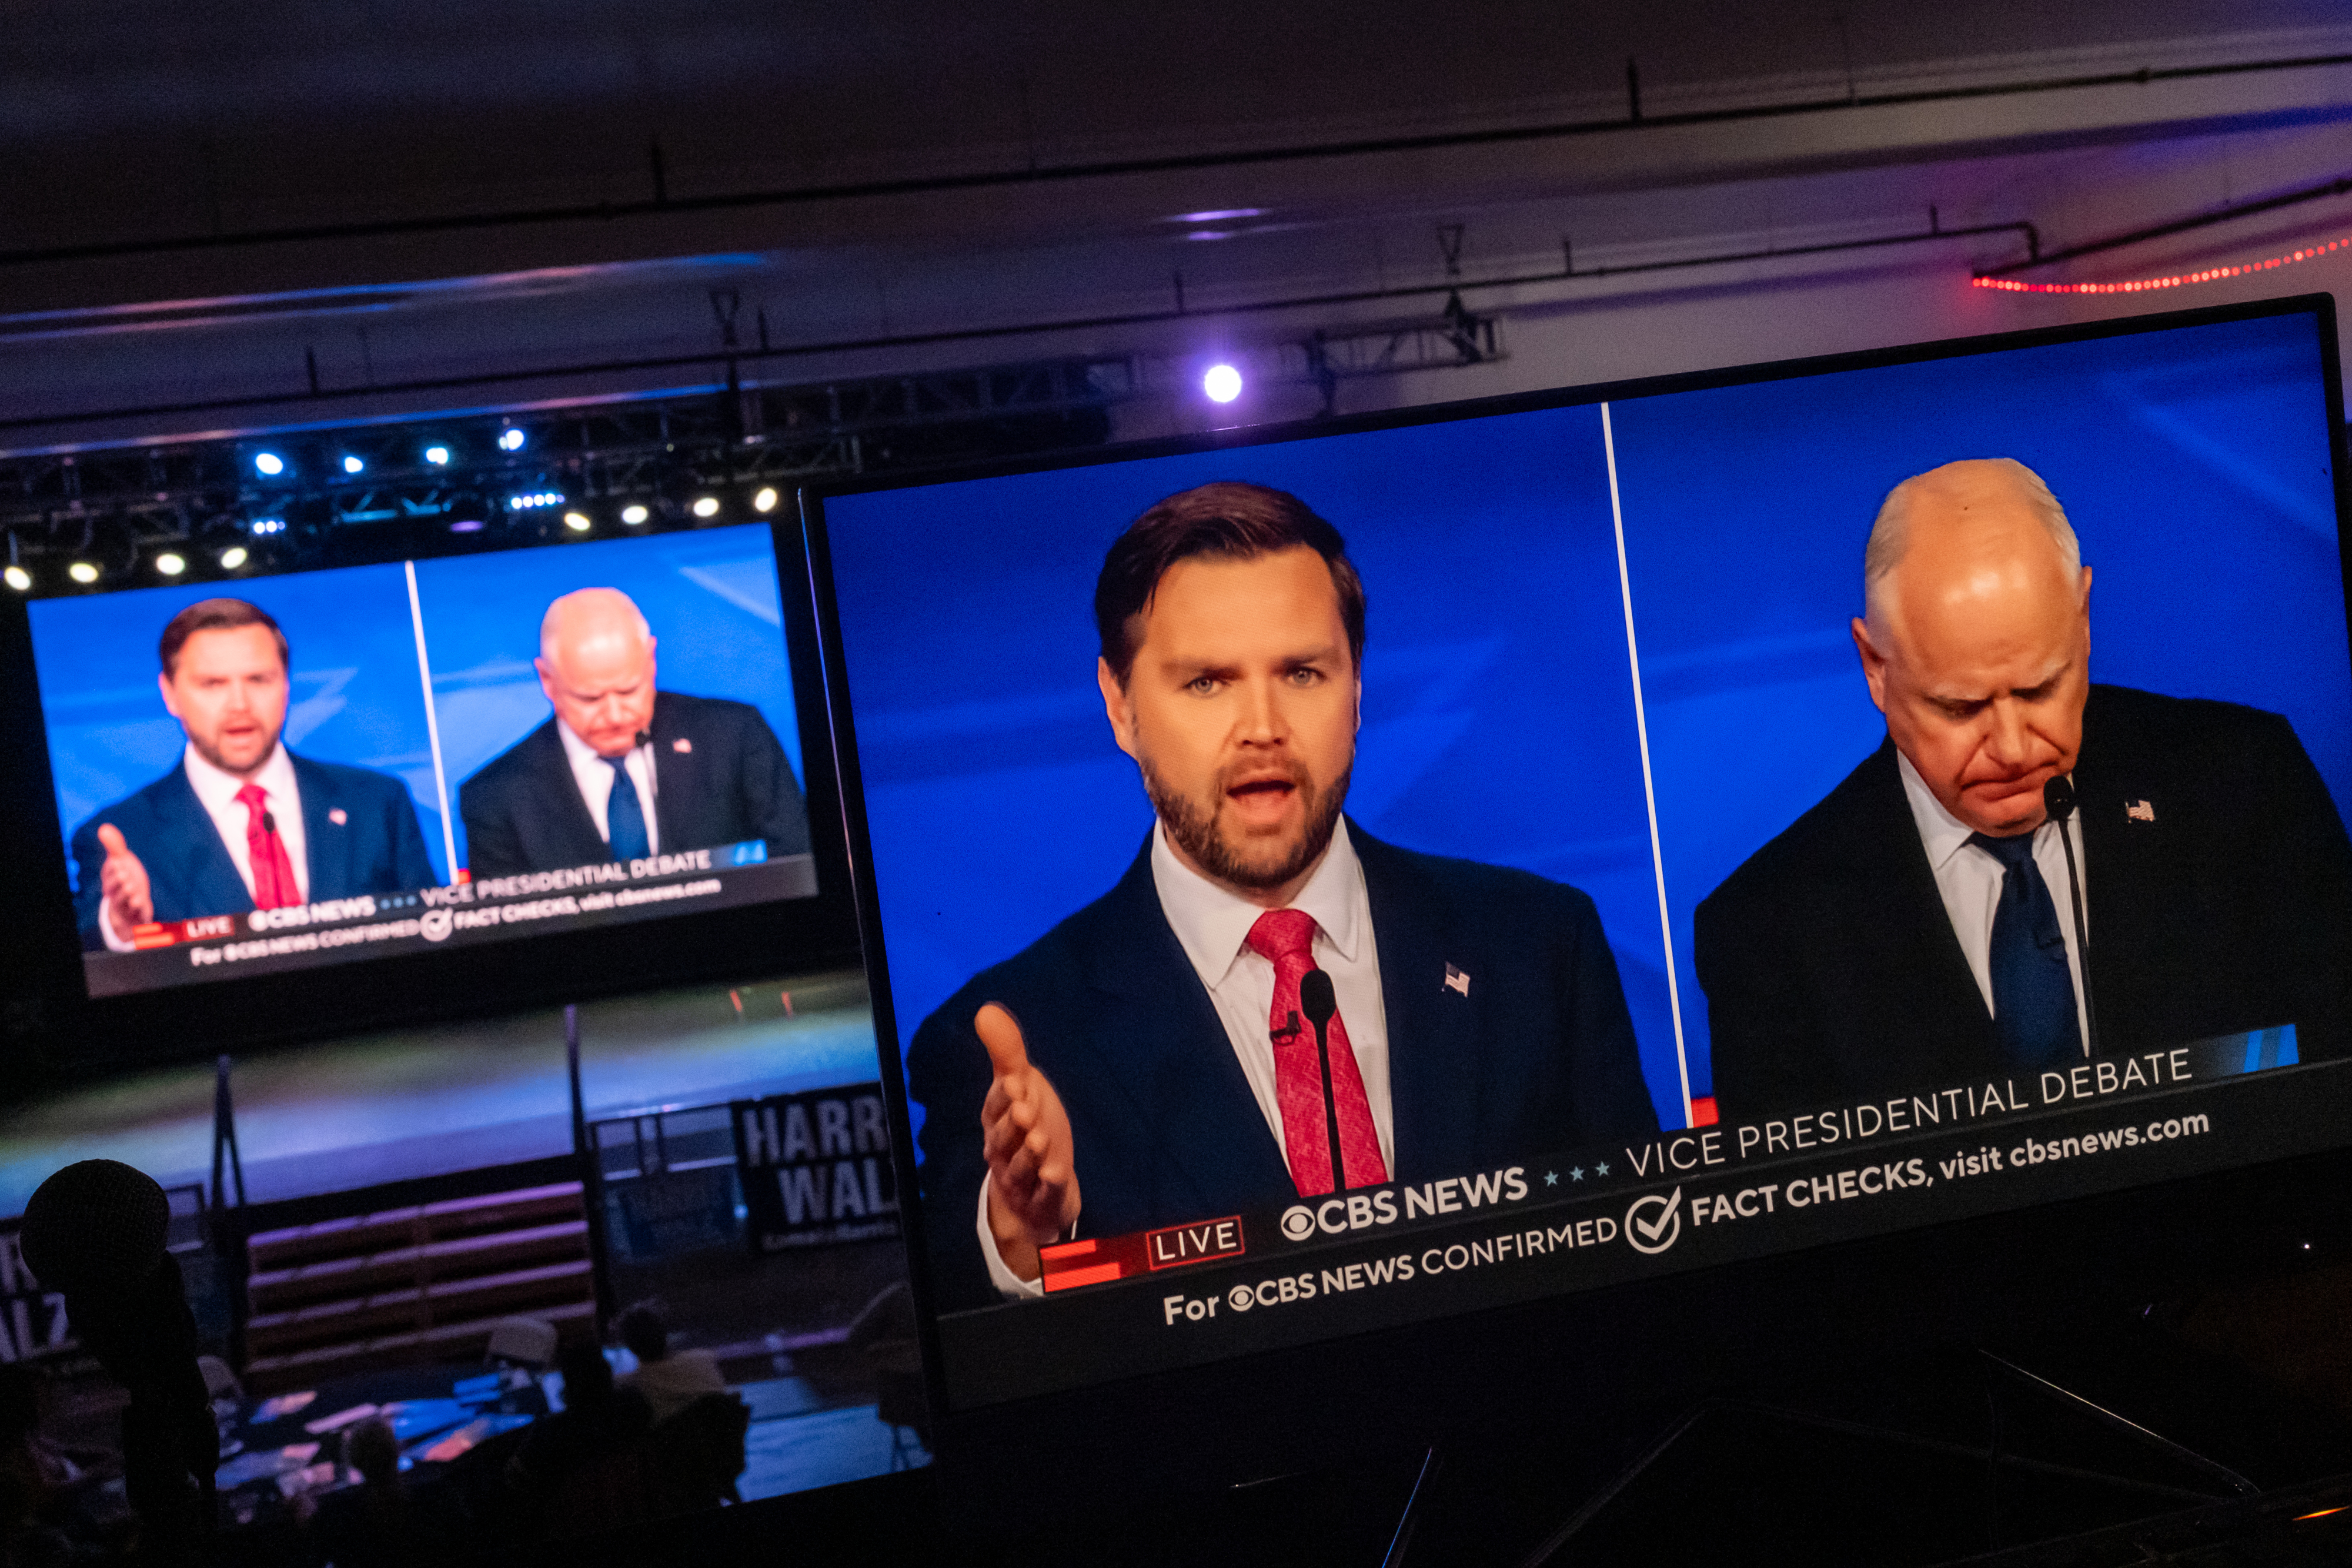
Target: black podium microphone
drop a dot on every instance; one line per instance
(653, 779)
(2058, 800)
(1321, 1004)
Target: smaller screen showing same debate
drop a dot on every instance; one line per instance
(284, 771)
(1340, 882)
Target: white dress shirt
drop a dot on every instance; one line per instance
(217, 793)
(1213, 926)
(595, 778)
(1969, 878)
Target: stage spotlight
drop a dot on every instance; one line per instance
(17, 577)
(1222, 383)
(467, 526)
(633, 516)
(706, 507)
(353, 464)
(81, 571)
(765, 501)
(438, 456)
(576, 521)
(269, 465)
(510, 439)
(171, 563)
(233, 558)
(267, 524)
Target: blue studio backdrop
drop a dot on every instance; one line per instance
(2194, 464)
(356, 697)
(1498, 714)
(711, 597)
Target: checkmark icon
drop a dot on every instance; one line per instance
(1652, 1229)
(1653, 1224)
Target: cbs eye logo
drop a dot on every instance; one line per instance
(1298, 1222)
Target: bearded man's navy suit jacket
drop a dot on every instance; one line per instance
(359, 832)
(1537, 1056)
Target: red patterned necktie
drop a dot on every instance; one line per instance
(273, 872)
(1286, 938)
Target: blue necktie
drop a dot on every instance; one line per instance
(2033, 988)
(625, 817)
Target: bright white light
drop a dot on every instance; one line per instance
(269, 525)
(82, 572)
(170, 564)
(765, 501)
(269, 465)
(530, 500)
(438, 456)
(510, 439)
(233, 558)
(707, 506)
(1222, 383)
(18, 578)
(353, 464)
(633, 516)
(576, 521)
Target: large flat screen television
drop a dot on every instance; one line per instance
(1505, 906)
(295, 801)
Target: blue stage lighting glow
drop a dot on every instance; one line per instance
(510, 439)
(438, 456)
(269, 465)
(264, 526)
(353, 464)
(531, 498)
(1222, 383)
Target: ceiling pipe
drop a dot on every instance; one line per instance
(665, 205)
(1568, 272)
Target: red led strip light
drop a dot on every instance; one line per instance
(2177, 280)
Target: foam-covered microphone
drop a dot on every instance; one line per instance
(1321, 1003)
(2058, 800)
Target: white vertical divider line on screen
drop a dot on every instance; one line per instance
(433, 719)
(1641, 731)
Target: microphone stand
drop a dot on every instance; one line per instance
(1321, 1002)
(2058, 800)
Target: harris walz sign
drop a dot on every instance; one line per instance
(815, 1168)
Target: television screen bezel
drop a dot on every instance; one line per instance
(50, 1017)
(1803, 1311)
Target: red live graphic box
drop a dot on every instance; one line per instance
(173, 932)
(1070, 1264)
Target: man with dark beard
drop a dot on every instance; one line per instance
(1153, 1042)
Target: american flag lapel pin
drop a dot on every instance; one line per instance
(2139, 811)
(338, 816)
(1456, 980)
(681, 745)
